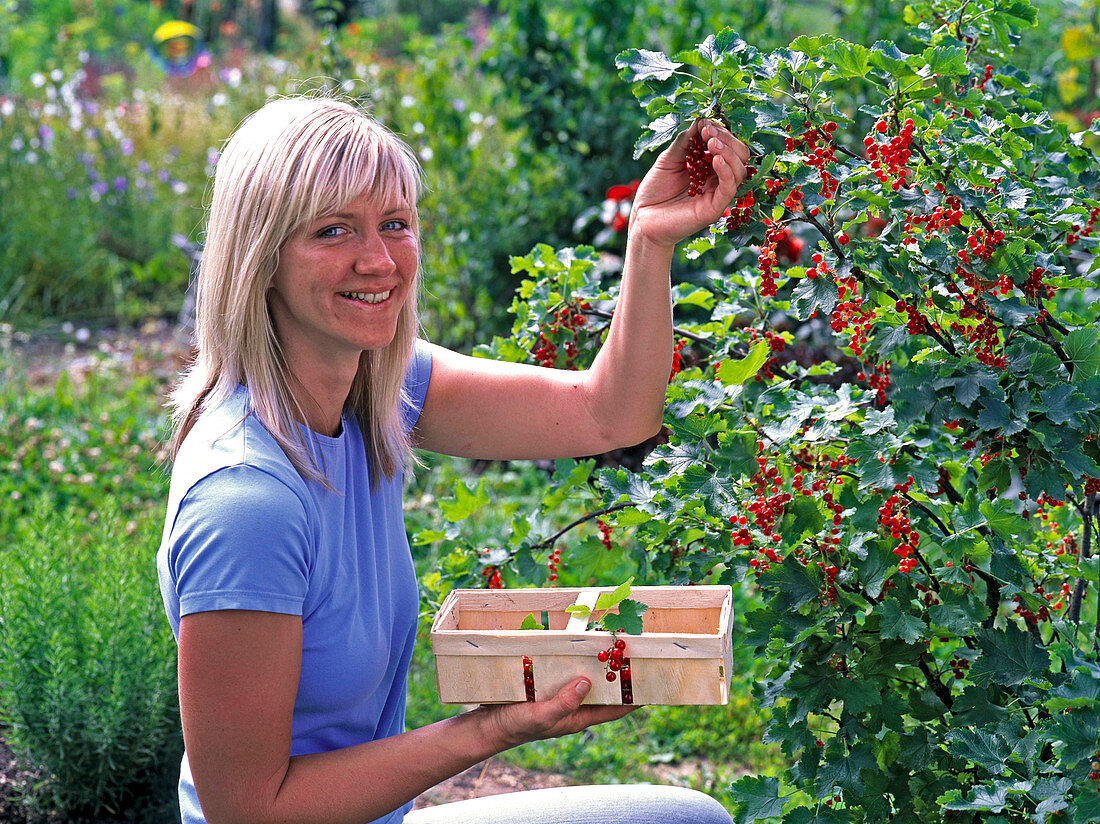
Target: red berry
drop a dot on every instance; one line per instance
(611, 676)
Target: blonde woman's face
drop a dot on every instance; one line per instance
(341, 283)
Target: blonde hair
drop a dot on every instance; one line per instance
(289, 162)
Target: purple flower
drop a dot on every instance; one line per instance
(163, 176)
(144, 167)
(212, 157)
(99, 188)
(119, 184)
(93, 175)
(86, 159)
(71, 193)
(45, 132)
(126, 146)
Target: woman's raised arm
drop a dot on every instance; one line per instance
(487, 409)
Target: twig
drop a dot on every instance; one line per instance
(586, 517)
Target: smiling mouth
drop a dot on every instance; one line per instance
(367, 297)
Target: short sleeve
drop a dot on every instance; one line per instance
(240, 540)
(415, 385)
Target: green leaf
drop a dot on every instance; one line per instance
(844, 772)
(791, 583)
(735, 372)
(818, 294)
(1009, 656)
(1002, 519)
(608, 600)
(983, 798)
(1083, 348)
(946, 61)
(465, 503)
(641, 64)
(845, 59)
(628, 619)
(531, 622)
(756, 798)
(899, 624)
(988, 751)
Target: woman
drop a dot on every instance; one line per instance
(284, 565)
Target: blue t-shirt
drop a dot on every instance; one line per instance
(245, 531)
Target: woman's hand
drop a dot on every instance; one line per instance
(663, 212)
(513, 724)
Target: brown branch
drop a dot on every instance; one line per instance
(586, 517)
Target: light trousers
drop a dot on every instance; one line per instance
(602, 804)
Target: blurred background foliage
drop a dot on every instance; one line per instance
(108, 140)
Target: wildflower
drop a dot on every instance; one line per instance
(126, 146)
(119, 183)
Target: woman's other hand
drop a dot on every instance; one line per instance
(663, 212)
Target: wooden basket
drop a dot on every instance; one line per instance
(681, 657)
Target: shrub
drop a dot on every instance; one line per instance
(883, 418)
(87, 662)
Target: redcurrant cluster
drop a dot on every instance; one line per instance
(915, 322)
(1035, 288)
(699, 166)
(567, 323)
(829, 589)
(959, 666)
(980, 244)
(492, 577)
(984, 339)
(617, 662)
(940, 219)
(528, 678)
(819, 152)
(988, 73)
(894, 516)
(849, 317)
(605, 534)
(793, 201)
(676, 359)
(1094, 775)
(552, 563)
(1075, 232)
(740, 214)
(768, 260)
(889, 159)
(789, 246)
(1032, 618)
(877, 375)
(820, 266)
(774, 184)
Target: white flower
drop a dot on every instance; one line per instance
(476, 117)
(38, 80)
(67, 327)
(426, 153)
(407, 101)
(57, 75)
(31, 157)
(17, 143)
(82, 335)
(219, 99)
(7, 107)
(179, 187)
(418, 127)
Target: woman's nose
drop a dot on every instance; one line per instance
(373, 256)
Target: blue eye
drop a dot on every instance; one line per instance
(395, 225)
(330, 231)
